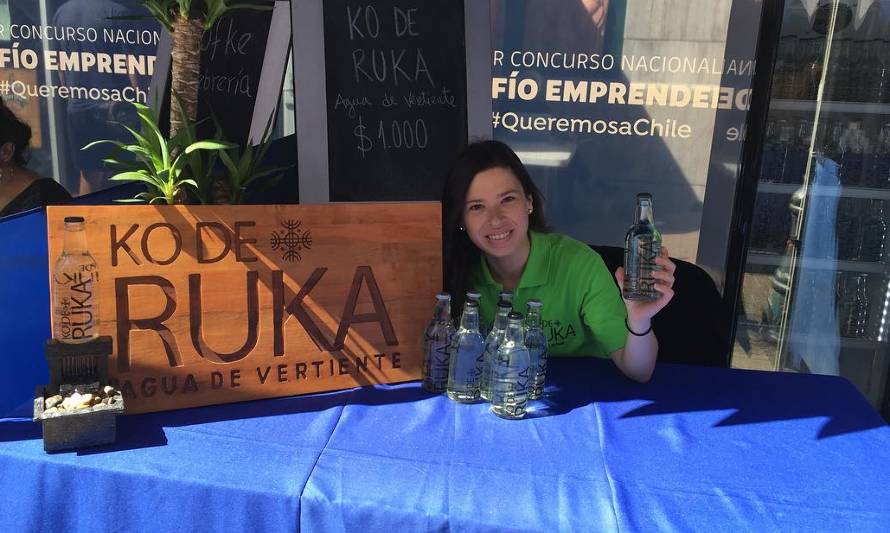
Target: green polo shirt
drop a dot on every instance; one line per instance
(583, 313)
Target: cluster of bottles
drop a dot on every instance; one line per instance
(798, 67)
(862, 234)
(75, 288)
(862, 151)
(863, 302)
(507, 367)
(785, 150)
(858, 69)
(860, 148)
(771, 223)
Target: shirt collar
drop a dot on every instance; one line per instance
(537, 268)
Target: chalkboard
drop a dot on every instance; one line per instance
(396, 96)
(232, 54)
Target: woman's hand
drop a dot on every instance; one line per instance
(640, 313)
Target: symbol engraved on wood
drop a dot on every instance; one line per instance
(292, 240)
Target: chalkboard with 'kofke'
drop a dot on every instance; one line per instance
(232, 54)
(396, 97)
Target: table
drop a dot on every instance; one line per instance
(696, 448)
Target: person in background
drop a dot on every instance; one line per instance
(89, 119)
(21, 188)
(496, 238)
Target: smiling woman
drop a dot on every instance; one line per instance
(496, 239)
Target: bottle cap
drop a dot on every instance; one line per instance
(73, 220)
(644, 196)
(443, 296)
(474, 295)
(535, 303)
(505, 305)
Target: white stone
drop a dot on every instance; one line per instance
(53, 401)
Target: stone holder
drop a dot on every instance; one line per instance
(78, 429)
(77, 364)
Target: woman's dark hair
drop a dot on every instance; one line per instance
(460, 254)
(15, 131)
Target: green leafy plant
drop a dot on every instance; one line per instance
(244, 167)
(168, 168)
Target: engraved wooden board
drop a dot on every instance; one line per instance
(218, 304)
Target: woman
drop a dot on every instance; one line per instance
(20, 188)
(496, 238)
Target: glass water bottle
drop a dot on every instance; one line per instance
(75, 288)
(492, 343)
(510, 373)
(536, 342)
(641, 246)
(466, 357)
(437, 339)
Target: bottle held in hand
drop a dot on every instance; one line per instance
(510, 373)
(466, 357)
(437, 340)
(536, 342)
(642, 245)
(75, 288)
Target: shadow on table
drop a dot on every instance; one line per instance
(754, 397)
(18, 429)
(147, 430)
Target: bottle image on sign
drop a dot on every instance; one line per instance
(436, 345)
(510, 372)
(467, 355)
(641, 246)
(75, 288)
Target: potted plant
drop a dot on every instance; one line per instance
(187, 20)
(180, 168)
(167, 167)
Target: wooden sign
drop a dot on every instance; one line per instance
(218, 304)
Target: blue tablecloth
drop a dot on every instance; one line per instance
(695, 449)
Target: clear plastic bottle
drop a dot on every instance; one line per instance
(75, 288)
(510, 373)
(466, 357)
(437, 341)
(641, 246)
(873, 234)
(492, 343)
(536, 342)
(854, 305)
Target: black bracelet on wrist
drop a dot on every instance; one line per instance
(634, 333)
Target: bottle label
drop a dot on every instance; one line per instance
(639, 264)
(75, 308)
(436, 362)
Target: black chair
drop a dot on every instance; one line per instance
(694, 327)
